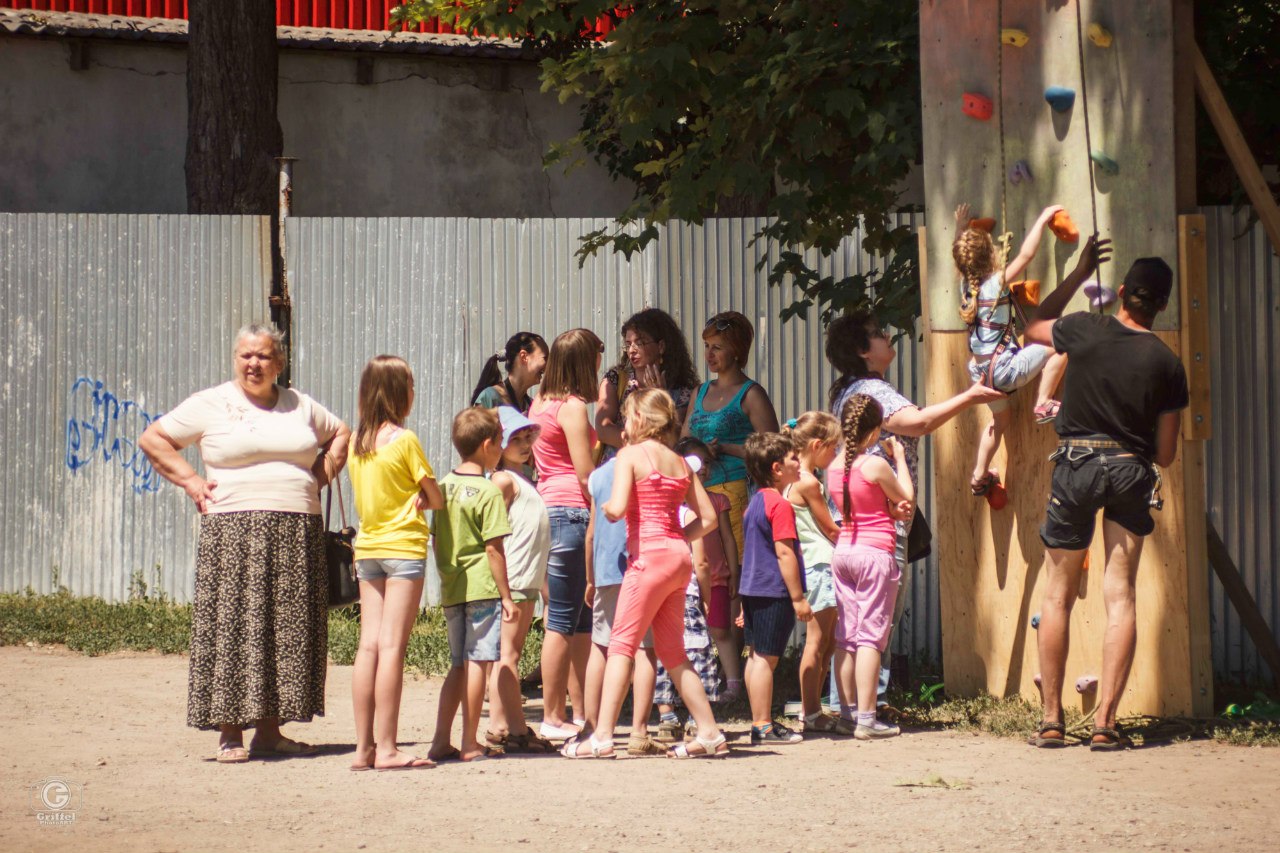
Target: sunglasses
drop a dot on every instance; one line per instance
(720, 323)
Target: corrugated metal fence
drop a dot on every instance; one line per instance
(110, 320)
(107, 321)
(1243, 462)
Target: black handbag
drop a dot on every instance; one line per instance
(344, 588)
(920, 538)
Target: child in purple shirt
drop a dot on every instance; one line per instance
(772, 580)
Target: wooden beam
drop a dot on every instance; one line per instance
(1264, 205)
(1193, 284)
(922, 263)
(1184, 106)
(1250, 615)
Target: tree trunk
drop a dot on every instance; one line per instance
(233, 132)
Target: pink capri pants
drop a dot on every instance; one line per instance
(653, 594)
(866, 581)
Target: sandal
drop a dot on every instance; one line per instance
(979, 487)
(283, 747)
(232, 753)
(414, 763)
(450, 754)
(828, 724)
(710, 748)
(643, 746)
(1042, 739)
(1047, 411)
(529, 743)
(500, 744)
(1112, 740)
(597, 749)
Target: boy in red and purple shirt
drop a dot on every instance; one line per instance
(772, 580)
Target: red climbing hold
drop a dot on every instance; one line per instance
(986, 223)
(977, 106)
(997, 496)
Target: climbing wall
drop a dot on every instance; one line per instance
(991, 561)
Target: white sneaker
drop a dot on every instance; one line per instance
(875, 731)
(556, 732)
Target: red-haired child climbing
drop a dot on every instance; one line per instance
(998, 360)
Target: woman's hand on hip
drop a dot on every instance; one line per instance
(200, 491)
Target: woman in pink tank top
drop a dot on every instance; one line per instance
(650, 482)
(562, 455)
(870, 496)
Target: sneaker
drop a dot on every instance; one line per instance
(776, 734)
(670, 730)
(875, 731)
(828, 723)
(556, 732)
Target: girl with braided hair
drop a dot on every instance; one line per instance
(999, 361)
(525, 356)
(870, 496)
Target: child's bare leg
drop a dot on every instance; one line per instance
(643, 683)
(867, 675)
(689, 686)
(617, 678)
(816, 639)
(400, 607)
(759, 678)
(846, 682)
(506, 714)
(1051, 377)
(990, 441)
(446, 711)
(593, 684)
(363, 674)
(727, 649)
(477, 674)
(579, 654)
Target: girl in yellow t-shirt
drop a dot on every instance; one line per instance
(393, 485)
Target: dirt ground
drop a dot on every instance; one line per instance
(114, 725)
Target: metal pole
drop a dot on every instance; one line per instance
(281, 301)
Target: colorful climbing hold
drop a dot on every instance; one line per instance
(1086, 684)
(997, 496)
(1035, 621)
(1028, 291)
(1063, 228)
(985, 223)
(1099, 35)
(1014, 37)
(1105, 163)
(1060, 98)
(1099, 295)
(1019, 172)
(977, 106)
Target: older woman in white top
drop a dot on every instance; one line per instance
(259, 632)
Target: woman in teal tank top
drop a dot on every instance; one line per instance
(729, 408)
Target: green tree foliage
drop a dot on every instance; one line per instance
(805, 112)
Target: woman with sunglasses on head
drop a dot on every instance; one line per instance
(562, 453)
(525, 356)
(654, 355)
(729, 408)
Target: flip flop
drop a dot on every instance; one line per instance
(450, 754)
(284, 747)
(232, 754)
(415, 764)
(485, 754)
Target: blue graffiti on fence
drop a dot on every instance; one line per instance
(102, 427)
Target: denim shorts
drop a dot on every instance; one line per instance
(475, 631)
(567, 610)
(819, 589)
(1085, 481)
(377, 568)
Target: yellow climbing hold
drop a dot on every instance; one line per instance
(1099, 35)
(1017, 38)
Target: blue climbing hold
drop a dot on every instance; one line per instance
(1035, 621)
(1060, 98)
(1019, 172)
(1099, 295)
(1106, 164)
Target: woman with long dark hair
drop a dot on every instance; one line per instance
(525, 356)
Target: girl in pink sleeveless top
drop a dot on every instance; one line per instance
(562, 454)
(649, 485)
(870, 496)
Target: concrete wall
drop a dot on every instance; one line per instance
(429, 136)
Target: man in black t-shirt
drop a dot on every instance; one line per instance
(1119, 419)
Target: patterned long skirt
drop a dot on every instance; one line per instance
(259, 626)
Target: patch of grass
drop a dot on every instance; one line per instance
(1263, 733)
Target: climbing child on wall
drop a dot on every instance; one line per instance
(985, 305)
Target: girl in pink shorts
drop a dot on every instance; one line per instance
(870, 496)
(650, 483)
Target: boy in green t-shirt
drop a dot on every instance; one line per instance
(473, 578)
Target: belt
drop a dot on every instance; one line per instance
(1091, 443)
